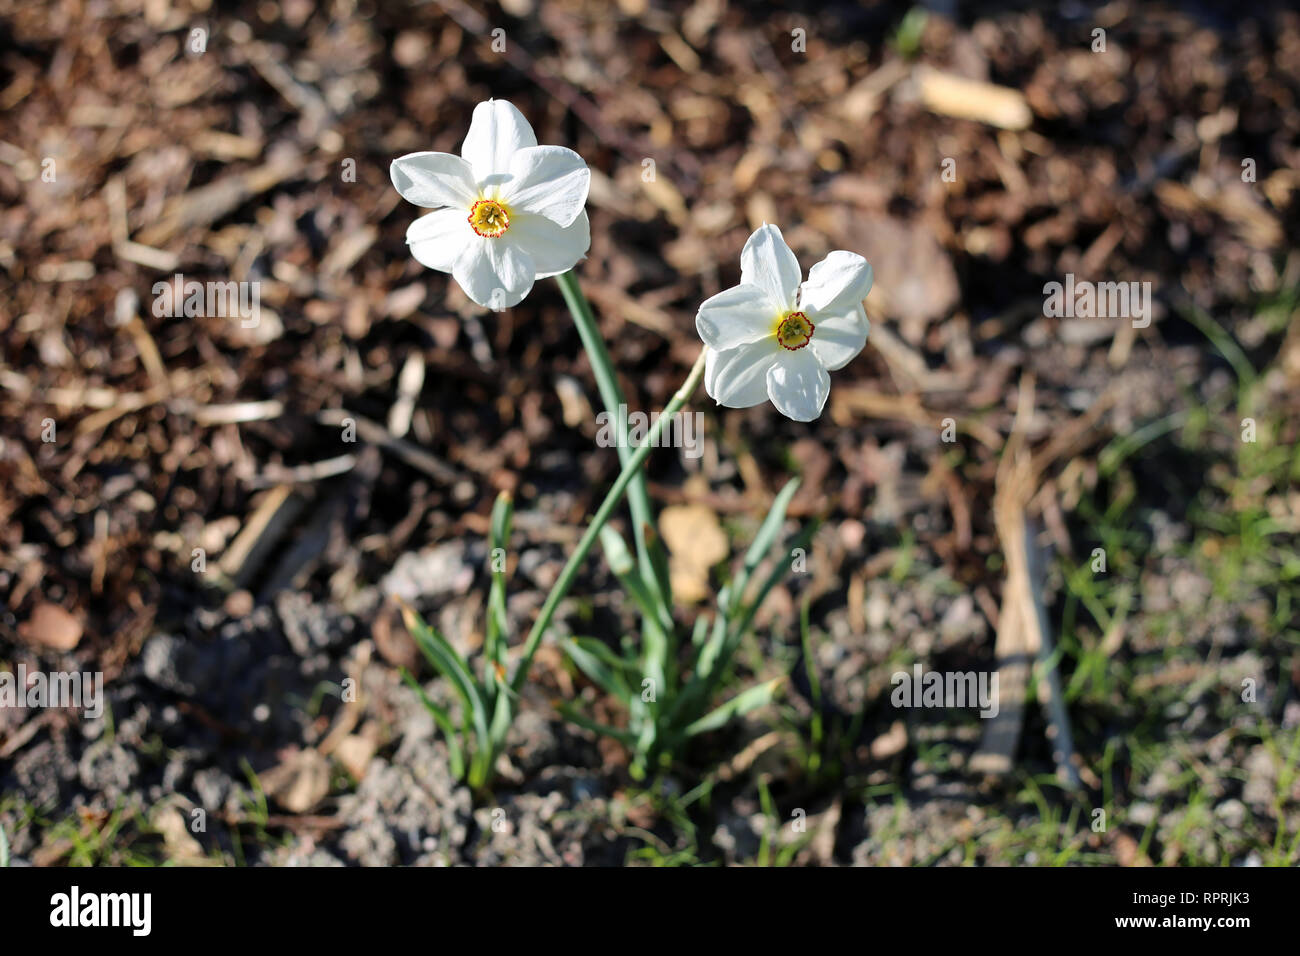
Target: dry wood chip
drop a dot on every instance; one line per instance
(51, 627)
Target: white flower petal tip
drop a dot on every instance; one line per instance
(772, 338)
(507, 211)
(767, 262)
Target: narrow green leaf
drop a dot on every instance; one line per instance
(779, 570)
(591, 645)
(444, 658)
(814, 682)
(742, 703)
(616, 552)
(598, 666)
(443, 720)
(503, 510)
(769, 529)
(502, 713)
(809, 664)
(440, 655)
(646, 739)
(762, 543)
(624, 568)
(497, 625)
(695, 694)
(700, 630)
(572, 715)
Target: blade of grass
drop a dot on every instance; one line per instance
(621, 563)
(742, 703)
(445, 659)
(1222, 340)
(722, 644)
(444, 721)
(601, 673)
(758, 548)
(779, 570)
(572, 714)
(497, 625)
(814, 684)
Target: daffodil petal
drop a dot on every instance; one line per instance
(838, 338)
(493, 273)
(767, 262)
(736, 316)
(737, 378)
(554, 249)
(433, 180)
(549, 181)
(836, 284)
(798, 386)
(496, 132)
(438, 238)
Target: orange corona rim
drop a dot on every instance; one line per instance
(794, 330)
(489, 218)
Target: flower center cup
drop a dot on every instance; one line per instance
(489, 218)
(794, 330)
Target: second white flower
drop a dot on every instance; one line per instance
(773, 338)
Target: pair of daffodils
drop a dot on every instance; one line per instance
(509, 212)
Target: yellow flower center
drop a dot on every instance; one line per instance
(489, 218)
(794, 330)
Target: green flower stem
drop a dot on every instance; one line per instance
(631, 468)
(653, 572)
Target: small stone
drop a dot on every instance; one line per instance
(239, 604)
(50, 626)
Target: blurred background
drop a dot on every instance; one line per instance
(179, 512)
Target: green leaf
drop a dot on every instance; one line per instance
(742, 703)
(701, 627)
(503, 510)
(480, 767)
(622, 666)
(501, 716)
(443, 720)
(646, 738)
(600, 664)
(728, 631)
(768, 530)
(497, 624)
(616, 552)
(624, 568)
(814, 681)
(712, 649)
(572, 715)
(4, 848)
(446, 661)
(695, 695)
(779, 570)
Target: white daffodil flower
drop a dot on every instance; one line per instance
(508, 212)
(772, 338)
